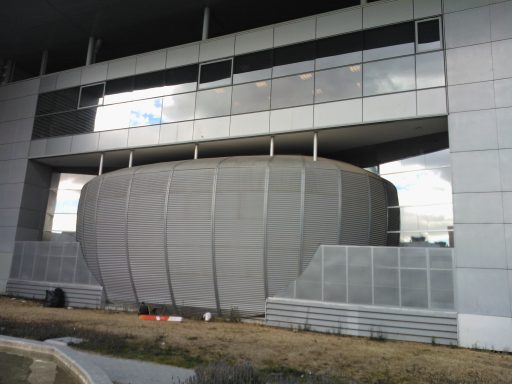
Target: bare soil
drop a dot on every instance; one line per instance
(357, 358)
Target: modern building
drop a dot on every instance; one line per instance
(417, 91)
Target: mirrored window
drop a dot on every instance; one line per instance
(178, 107)
(118, 90)
(338, 83)
(145, 112)
(215, 74)
(213, 102)
(339, 50)
(428, 34)
(389, 41)
(91, 95)
(294, 59)
(388, 76)
(253, 66)
(251, 97)
(182, 79)
(112, 117)
(292, 91)
(430, 70)
(148, 85)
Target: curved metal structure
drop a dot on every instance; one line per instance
(224, 232)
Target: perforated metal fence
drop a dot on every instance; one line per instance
(390, 276)
(59, 262)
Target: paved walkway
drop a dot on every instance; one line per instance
(124, 371)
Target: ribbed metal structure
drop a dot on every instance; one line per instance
(226, 232)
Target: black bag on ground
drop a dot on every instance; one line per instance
(54, 298)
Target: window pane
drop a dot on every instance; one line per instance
(251, 97)
(213, 102)
(294, 59)
(430, 70)
(215, 74)
(149, 85)
(67, 201)
(183, 79)
(112, 117)
(145, 112)
(64, 222)
(66, 123)
(119, 90)
(338, 84)
(91, 95)
(253, 66)
(292, 91)
(339, 50)
(393, 40)
(428, 31)
(389, 76)
(178, 107)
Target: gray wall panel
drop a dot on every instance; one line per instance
(355, 218)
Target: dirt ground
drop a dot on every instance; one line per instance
(360, 358)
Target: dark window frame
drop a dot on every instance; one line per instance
(202, 86)
(103, 83)
(418, 45)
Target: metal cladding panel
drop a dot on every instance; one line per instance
(355, 215)
(379, 210)
(146, 215)
(86, 226)
(321, 211)
(220, 233)
(393, 239)
(283, 232)
(189, 237)
(239, 238)
(111, 235)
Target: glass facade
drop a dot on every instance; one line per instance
(425, 198)
(63, 203)
(365, 63)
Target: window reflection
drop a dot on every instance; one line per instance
(178, 107)
(213, 102)
(389, 76)
(251, 97)
(338, 84)
(133, 114)
(430, 70)
(294, 59)
(425, 206)
(292, 91)
(62, 210)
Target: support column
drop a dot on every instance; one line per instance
(206, 22)
(315, 146)
(100, 169)
(271, 146)
(196, 151)
(44, 63)
(130, 160)
(90, 51)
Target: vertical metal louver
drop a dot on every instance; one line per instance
(239, 237)
(355, 218)
(379, 208)
(111, 234)
(189, 241)
(283, 226)
(146, 236)
(321, 209)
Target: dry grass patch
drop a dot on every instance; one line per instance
(192, 342)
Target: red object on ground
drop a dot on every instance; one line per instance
(160, 318)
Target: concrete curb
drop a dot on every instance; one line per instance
(85, 370)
